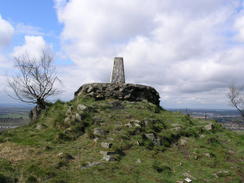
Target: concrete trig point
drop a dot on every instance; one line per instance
(118, 74)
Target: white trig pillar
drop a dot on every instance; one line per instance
(118, 74)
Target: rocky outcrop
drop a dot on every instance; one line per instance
(121, 91)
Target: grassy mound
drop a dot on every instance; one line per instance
(119, 141)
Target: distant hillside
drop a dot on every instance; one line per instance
(120, 141)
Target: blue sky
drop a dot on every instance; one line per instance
(40, 15)
(189, 51)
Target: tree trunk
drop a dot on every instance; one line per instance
(36, 111)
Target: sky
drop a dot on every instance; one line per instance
(190, 51)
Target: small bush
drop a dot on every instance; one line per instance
(213, 141)
(62, 137)
(31, 179)
(161, 168)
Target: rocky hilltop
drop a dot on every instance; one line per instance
(113, 140)
(117, 132)
(120, 91)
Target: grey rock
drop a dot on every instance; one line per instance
(183, 141)
(129, 125)
(65, 156)
(106, 145)
(67, 119)
(222, 173)
(81, 108)
(90, 164)
(187, 175)
(202, 136)
(157, 141)
(78, 117)
(148, 122)
(109, 158)
(188, 180)
(150, 136)
(99, 132)
(138, 161)
(134, 123)
(103, 153)
(96, 140)
(40, 126)
(207, 155)
(178, 128)
(69, 111)
(153, 138)
(107, 153)
(70, 119)
(121, 91)
(209, 127)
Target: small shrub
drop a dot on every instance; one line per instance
(213, 141)
(187, 120)
(161, 168)
(31, 179)
(121, 146)
(62, 137)
(61, 164)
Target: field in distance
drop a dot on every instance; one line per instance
(13, 116)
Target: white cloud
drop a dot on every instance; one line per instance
(28, 30)
(33, 46)
(239, 26)
(184, 49)
(6, 32)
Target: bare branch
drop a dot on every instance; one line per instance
(36, 79)
(236, 98)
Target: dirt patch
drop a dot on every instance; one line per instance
(14, 152)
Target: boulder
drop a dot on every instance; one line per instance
(99, 132)
(133, 123)
(90, 164)
(69, 111)
(109, 158)
(209, 127)
(150, 136)
(222, 173)
(81, 108)
(138, 161)
(188, 180)
(183, 141)
(121, 91)
(78, 117)
(65, 156)
(41, 126)
(106, 145)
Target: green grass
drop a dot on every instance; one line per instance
(32, 154)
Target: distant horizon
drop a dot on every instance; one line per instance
(167, 107)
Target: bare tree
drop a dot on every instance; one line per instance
(236, 98)
(36, 79)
